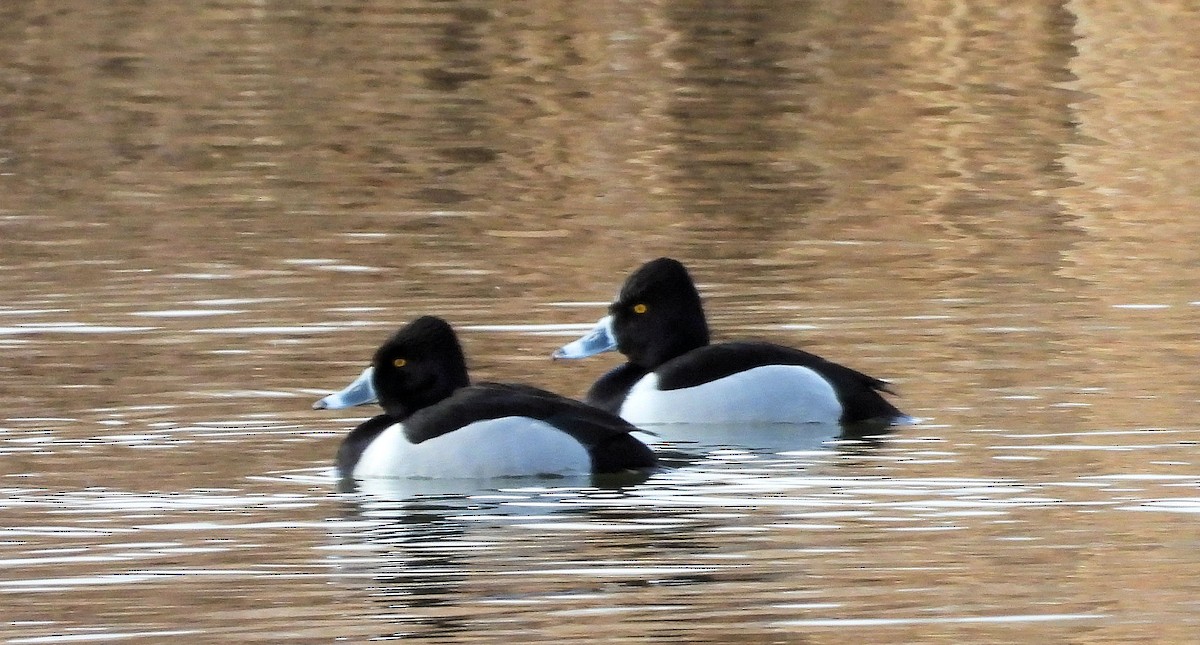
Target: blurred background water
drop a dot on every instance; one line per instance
(212, 212)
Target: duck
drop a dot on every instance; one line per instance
(674, 374)
(437, 424)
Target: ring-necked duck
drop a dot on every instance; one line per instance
(436, 424)
(675, 376)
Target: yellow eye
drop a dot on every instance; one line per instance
(639, 308)
(399, 362)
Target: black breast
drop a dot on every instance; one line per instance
(357, 441)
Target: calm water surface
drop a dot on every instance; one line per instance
(211, 213)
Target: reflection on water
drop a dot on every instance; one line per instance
(767, 438)
(753, 547)
(211, 214)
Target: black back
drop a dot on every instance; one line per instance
(483, 401)
(858, 393)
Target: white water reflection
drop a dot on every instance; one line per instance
(507, 548)
(187, 313)
(100, 635)
(285, 330)
(922, 620)
(699, 438)
(703, 524)
(70, 328)
(1179, 505)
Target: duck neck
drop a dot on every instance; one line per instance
(608, 393)
(356, 442)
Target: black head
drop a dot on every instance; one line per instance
(418, 366)
(658, 314)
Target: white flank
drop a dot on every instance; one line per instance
(505, 447)
(768, 394)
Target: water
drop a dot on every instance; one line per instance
(210, 215)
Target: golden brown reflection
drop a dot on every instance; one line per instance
(211, 212)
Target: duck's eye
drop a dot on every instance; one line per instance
(399, 362)
(639, 308)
